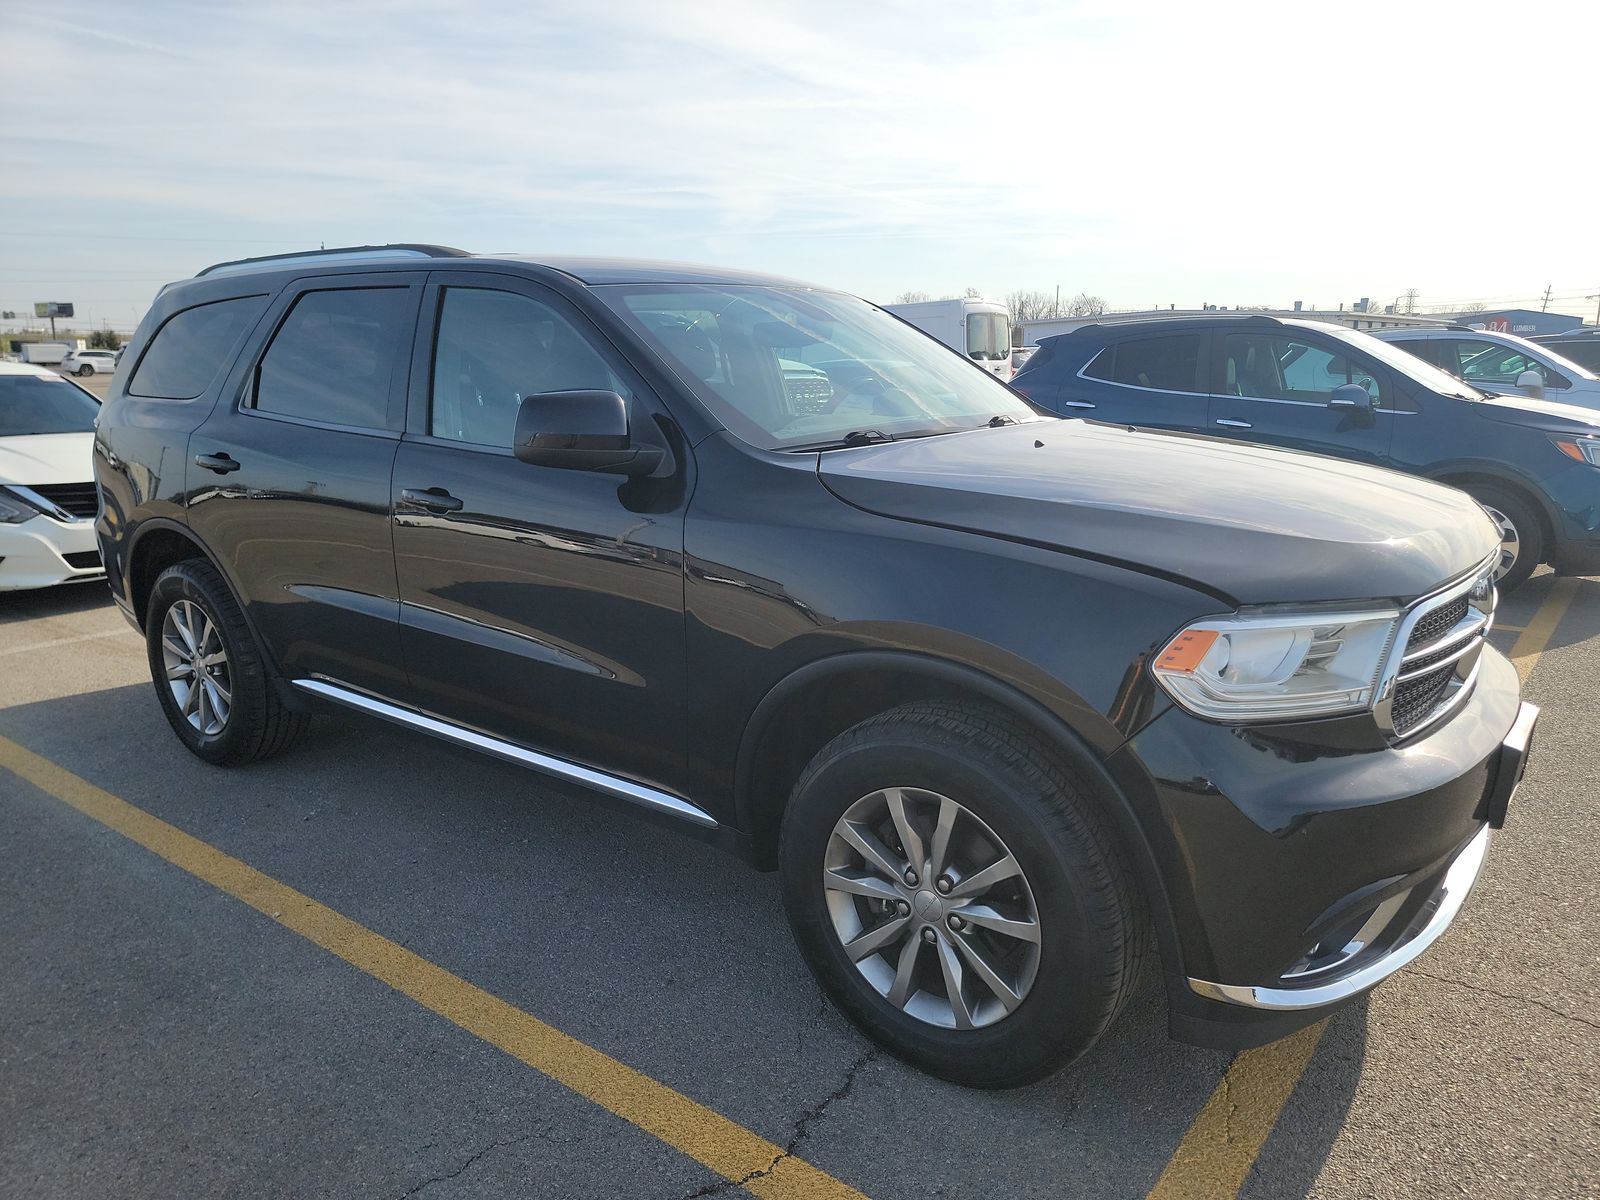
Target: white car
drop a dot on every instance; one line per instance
(48, 500)
(1500, 362)
(87, 362)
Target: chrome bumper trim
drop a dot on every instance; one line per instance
(548, 764)
(1433, 920)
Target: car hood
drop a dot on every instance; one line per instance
(47, 458)
(1544, 414)
(1250, 524)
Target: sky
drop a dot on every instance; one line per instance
(1149, 153)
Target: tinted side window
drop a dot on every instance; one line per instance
(493, 349)
(1170, 363)
(334, 356)
(1270, 367)
(188, 350)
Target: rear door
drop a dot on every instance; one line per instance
(1151, 379)
(539, 604)
(1274, 386)
(289, 477)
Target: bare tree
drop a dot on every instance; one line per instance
(911, 298)
(1085, 305)
(1477, 306)
(1031, 306)
(972, 294)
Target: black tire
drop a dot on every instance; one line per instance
(258, 723)
(85, 369)
(1094, 933)
(1529, 530)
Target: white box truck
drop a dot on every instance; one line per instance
(980, 329)
(44, 354)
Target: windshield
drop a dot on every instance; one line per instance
(1545, 354)
(988, 336)
(44, 404)
(784, 368)
(1409, 365)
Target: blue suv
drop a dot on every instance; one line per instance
(1305, 385)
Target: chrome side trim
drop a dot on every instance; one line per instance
(1425, 929)
(460, 735)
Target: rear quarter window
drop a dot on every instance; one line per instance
(192, 346)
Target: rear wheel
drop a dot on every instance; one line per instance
(1521, 534)
(85, 369)
(209, 673)
(955, 891)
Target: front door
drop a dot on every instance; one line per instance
(289, 478)
(1274, 387)
(538, 604)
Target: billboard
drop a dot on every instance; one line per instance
(52, 308)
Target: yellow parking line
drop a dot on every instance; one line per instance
(1221, 1146)
(1217, 1152)
(1536, 635)
(732, 1151)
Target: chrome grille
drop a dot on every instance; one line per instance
(1444, 637)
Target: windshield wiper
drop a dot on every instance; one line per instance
(998, 420)
(856, 437)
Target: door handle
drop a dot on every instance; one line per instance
(433, 499)
(1076, 404)
(219, 462)
(1232, 424)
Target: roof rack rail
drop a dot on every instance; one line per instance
(392, 250)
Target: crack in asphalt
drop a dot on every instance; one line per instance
(802, 1130)
(474, 1157)
(1473, 987)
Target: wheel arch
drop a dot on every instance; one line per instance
(821, 699)
(159, 544)
(1466, 475)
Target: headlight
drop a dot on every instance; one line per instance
(1585, 449)
(14, 510)
(1278, 665)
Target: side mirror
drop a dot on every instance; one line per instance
(580, 431)
(1350, 395)
(1530, 383)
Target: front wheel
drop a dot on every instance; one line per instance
(1521, 534)
(209, 673)
(955, 891)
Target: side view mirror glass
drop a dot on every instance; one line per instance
(581, 431)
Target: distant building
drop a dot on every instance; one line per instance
(1523, 321)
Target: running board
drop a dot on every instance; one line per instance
(460, 735)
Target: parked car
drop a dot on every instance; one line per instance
(1500, 362)
(1304, 385)
(1007, 700)
(1581, 346)
(87, 362)
(47, 496)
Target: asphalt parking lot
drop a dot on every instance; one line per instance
(482, 984)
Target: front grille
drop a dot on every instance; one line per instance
(1416, 698)
(79, 560)
(1463, 622)
(79, 499)
(1437, 623)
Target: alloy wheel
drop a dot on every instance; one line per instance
(932, 908)
(1510, 542)
(197, 667)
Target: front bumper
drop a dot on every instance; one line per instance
(44, 552)
(1304, 865)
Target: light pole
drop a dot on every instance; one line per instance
(1596, 299)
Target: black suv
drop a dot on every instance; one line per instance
(1003, 697)
(1534, 465)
